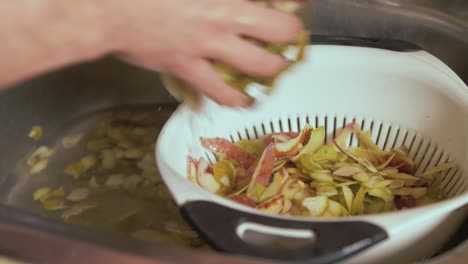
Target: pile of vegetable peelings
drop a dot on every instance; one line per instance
(297, 174)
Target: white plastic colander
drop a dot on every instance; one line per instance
(405, 96)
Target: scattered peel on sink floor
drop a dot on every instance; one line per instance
(109, 180)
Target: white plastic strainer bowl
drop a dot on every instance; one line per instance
(408, 98)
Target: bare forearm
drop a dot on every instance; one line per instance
(40, 35)
(179, 37)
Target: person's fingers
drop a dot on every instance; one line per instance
(202, 76)
(266, 24)
(247, 57)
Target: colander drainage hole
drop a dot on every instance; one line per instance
(278, 238)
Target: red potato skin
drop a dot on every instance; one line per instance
(270, 202)
(286, 154)
(344, 133)
(400, 203)
(285, 204)
(301, 139)
(287, 181)
(263, 171)
(270, 138)
(200, 172)
(228, 150)
(339, 148)
(192, 162)
(244, 176)
(209, 168)
(242, 199)
(263, 174)
(402, 164)
(287, 185)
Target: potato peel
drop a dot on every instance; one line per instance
(322, 179)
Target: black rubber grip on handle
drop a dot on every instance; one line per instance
(388, 44)
(335, 240)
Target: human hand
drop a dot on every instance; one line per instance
(182, 37)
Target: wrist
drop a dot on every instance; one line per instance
(74, 30)
(48, 35)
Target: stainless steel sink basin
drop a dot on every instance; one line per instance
(55, 99)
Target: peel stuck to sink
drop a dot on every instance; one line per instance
(116, 186)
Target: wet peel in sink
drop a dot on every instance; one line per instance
(110, 181)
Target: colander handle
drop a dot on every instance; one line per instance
(238, 232)
(388, 44)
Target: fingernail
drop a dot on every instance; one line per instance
(246, 102)
(282, 63)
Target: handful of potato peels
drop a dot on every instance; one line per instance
(238, 80)
(290, 173)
